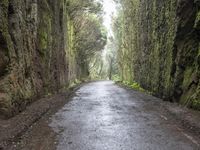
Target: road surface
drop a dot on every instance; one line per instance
(104, 116)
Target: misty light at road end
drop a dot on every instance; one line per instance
(110, 10)
(109, 7)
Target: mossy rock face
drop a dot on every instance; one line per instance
(3, 64)
(37, 54)
(160, 48)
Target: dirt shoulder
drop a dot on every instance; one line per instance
(12, 129)
(33, 121)
(189, 118)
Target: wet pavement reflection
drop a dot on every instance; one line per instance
(104, 116)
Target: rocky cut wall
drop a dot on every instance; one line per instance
(161, 42)
(36, 51)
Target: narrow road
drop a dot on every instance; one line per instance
(104, 116)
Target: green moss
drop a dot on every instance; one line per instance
(187, 77)
(45, 37)
(74, 83)
(196, 104)
(197, 20)
(4, 23)
(134, 85)
(71, 49)
(195, 99)
(4, 2)
(116, 78)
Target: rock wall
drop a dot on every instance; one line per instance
(160, 48)
(36, 51)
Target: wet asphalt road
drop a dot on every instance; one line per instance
(104, 116)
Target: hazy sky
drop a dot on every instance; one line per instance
(109, 8)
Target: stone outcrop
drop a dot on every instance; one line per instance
(36, 51)
(161, 42)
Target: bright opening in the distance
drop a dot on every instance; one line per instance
(109, 7)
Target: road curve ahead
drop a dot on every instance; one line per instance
(104, 116)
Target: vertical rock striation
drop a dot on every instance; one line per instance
(160, 39)
(37, 56)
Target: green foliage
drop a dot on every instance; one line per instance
(197, 21)
(134, 85)
(116, 78)
(196, 104)
(76, 7)
(194, 100)
(96, 67)
(74, 83)
(87, 33)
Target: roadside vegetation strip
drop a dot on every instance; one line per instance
(189, 118)
(133, 85)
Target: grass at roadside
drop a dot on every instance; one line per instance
(134, 85)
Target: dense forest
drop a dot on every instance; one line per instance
(49, 45)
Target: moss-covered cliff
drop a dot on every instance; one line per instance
(37, 50)
(159, 47)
